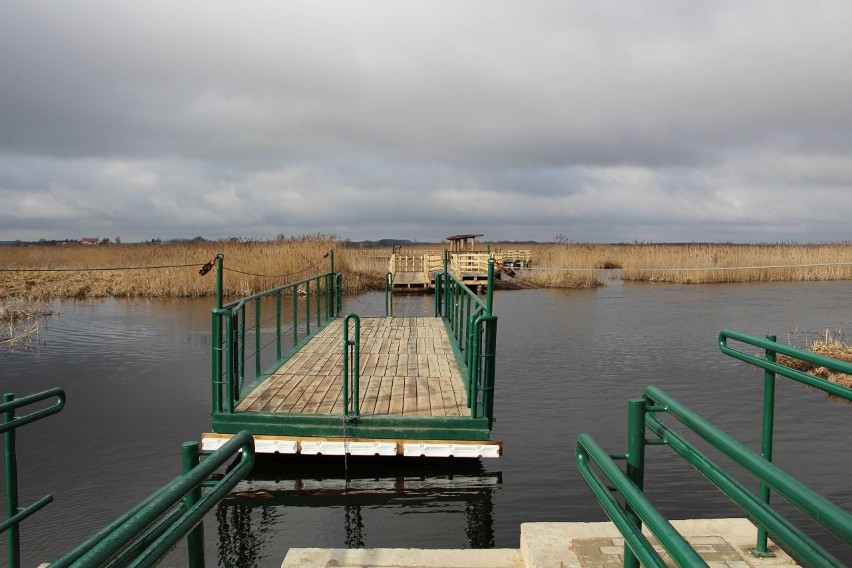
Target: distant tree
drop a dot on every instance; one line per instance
(105, 241)
(118, 240)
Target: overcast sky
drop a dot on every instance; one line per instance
(604, 121)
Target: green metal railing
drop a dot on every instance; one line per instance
(145, 534)
(389, 294)
(240, 327)
(10, 423)
(351, 366)
(474, 327)
(644, 415)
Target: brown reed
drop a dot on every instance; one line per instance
(20, 323)
(254, 265)
(153, 270)
(829, 345)
(695, 263)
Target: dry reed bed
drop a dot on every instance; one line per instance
(251, 266)
(829, 346)
(20, 323)
(718, 263)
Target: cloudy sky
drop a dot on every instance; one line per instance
(603, 121)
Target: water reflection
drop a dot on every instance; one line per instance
(241, 538)
(358, 490)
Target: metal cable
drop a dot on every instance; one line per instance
(768, 266)
(278, 275)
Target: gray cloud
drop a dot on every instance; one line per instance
(658, 120)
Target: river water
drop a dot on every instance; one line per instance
(136, 375)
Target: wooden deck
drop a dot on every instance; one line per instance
(407, 369)
(411, 281)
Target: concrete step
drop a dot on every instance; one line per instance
(408, 557)
(720, 542)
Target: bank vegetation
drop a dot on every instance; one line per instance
(38, 273)
(832, 345)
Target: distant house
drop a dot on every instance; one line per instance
(90, 240)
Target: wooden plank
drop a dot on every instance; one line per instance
(383, 395)
(407, 367)
(437, 407)
(397, 395)
(422, 365)
(409, 394)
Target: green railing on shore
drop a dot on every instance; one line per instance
(149, 531)
(145, 534)
(474, 328)
(240, 329)
(644, 415)
(10, 423)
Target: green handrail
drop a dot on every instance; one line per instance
(11, 422)
(588, 452)
(778, 368)
(351, 375)
(644, 413)
(771, 369)
(232, 325)
(474, 327)
(805, 499)
(142, 536)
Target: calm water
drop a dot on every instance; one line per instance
(137, 379)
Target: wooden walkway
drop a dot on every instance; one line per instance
(407, 369)
(411, 280)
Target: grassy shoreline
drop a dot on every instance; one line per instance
(39, 273)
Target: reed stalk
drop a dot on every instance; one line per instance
(20, 324)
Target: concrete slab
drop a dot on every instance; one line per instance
(409, 557)
(722, 543)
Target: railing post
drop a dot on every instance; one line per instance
(489, 294)
(354, 371)
(216, 365)
(232, 353)
(761, 549)
(473, 362)
(14, 539)
(338, 307)
(389, 294)
(490, 357)
(307, 308)
(195, 538)
(636, 409)
(217, 339)
(446, 285)
(278, 325)
(219, 292)
(256, 339)
(437, 284)
(241, 351)
(294, 294)
(329, 296)
(319, 310)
